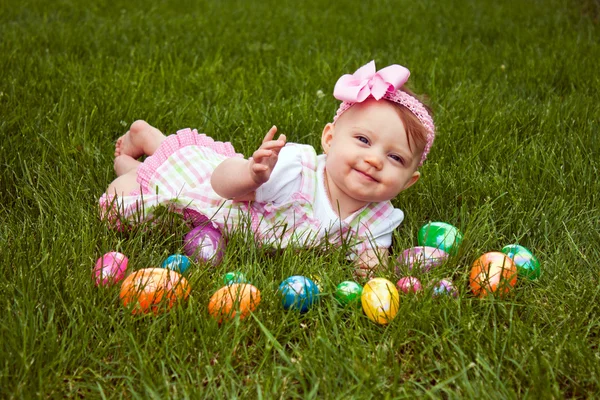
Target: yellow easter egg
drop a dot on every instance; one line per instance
(380, 300)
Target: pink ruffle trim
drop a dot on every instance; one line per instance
(183, 138)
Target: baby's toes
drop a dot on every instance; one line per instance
(118, 145)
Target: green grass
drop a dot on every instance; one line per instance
(514, 86)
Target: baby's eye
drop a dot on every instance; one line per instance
(363, 139)
(397, 158)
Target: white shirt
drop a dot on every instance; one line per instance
(286, 179)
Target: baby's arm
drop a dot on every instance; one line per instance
(237, 178)
(369, 261)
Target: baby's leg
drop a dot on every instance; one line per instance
(141, 139)
(124, 164)
(124, 184)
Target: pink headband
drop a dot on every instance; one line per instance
(386, 84)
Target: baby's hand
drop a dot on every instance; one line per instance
(363, 273)
(368, 262)
(264, 159)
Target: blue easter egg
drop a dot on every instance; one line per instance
(298, 292)
(177, 262)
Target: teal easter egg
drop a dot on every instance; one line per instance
(528, 265)
(348, 292)
(440, 235)
(298, 292)
(234, 277)
(177, 262)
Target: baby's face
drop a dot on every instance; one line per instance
(368, 153)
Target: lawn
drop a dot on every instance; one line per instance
(514, 86)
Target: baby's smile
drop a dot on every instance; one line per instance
(366, 176)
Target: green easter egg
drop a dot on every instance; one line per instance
(528, 265)
(440, 235)
(348, 292)
(234, 277)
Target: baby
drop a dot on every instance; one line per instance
(285, 192)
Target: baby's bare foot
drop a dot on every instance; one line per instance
(124, 163)
(125, 146)
(132, 143)
(141, 139)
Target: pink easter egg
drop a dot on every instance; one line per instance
(110, 268)
(423, 257)
(409, 284)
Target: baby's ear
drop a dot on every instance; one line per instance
(413, 179)
(327, 137)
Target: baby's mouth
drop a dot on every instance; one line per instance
(367, 176)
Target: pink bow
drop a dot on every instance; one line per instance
(367, 81)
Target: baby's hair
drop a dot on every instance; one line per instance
(415, 130)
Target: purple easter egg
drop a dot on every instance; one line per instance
(110, 268)
(409, 284)
(205, 244)
(423, 257)
(444, 287)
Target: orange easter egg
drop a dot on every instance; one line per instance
(232, 299)
(493, 272)
(149, 288)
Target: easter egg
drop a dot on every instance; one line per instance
(177, 262)
(298, 292)
(493, 272)
(409, 284)
(528, 266)
(445, 287)
(440, 235)
(204, 243)
(380, 300)
(422, 257)
(233, 299)
(234, 277)
(348, 292)
(110, 268)
(318, 281)
(150, 288)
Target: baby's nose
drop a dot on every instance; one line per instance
(374, 161)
